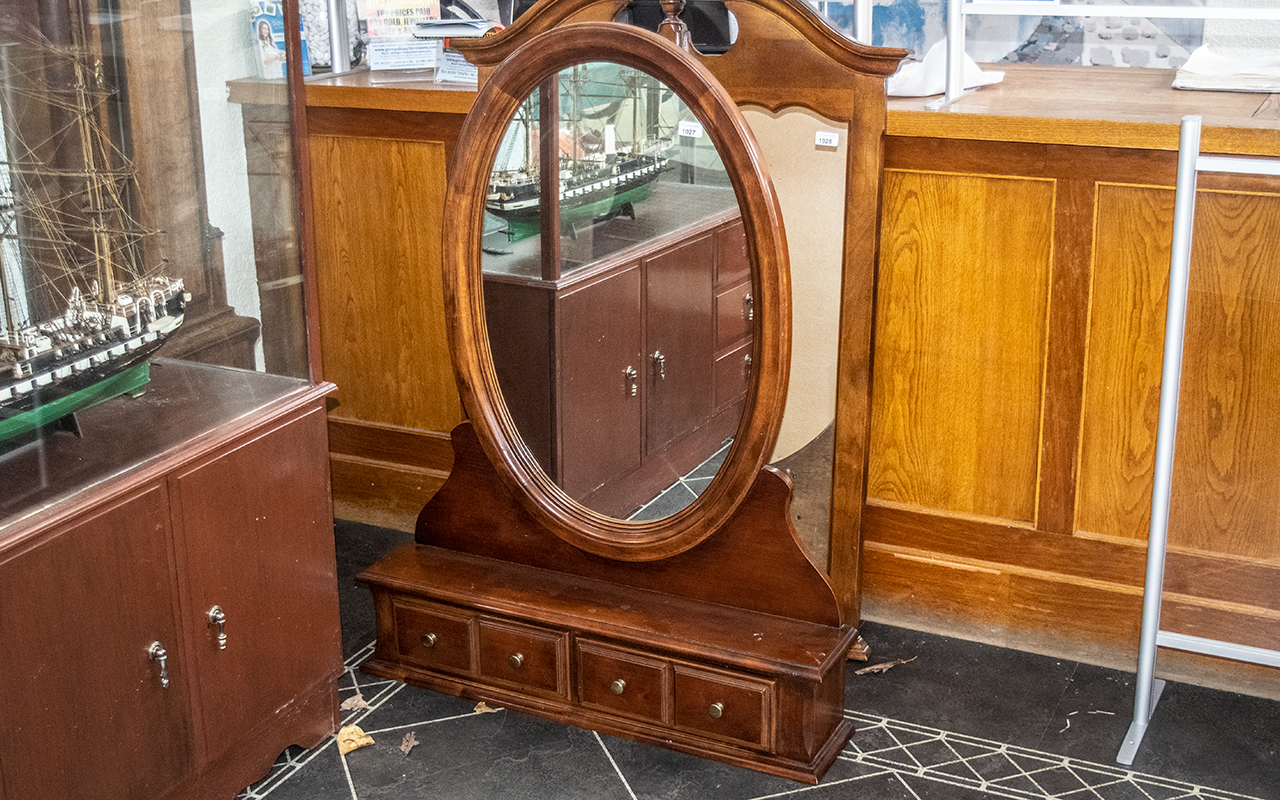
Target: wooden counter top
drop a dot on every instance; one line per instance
(390, 90)
(1098, 106)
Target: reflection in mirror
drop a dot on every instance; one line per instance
(619, 311)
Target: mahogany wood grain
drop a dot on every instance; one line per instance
(476, 499)
(88, 603)
(300, 157)
(238, 558)
(780, 680)
(120, 538)
(864, 168)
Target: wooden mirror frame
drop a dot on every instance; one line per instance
(510, 83)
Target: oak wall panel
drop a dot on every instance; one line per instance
(378, 209)
(965, 270)
(1225, 494)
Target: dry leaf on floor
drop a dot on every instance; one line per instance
(409, 742)
(354, 702)
(351, 738)
(482, 708)
(884, 667)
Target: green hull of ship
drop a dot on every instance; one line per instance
(573, 216)
(124, 382)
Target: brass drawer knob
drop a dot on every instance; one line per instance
(716, 710)
(618, 686)
(516, 660)
(428, 640)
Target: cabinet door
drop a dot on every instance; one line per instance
(599, 338)
(257, 535)
(681, 340)
(86, 714)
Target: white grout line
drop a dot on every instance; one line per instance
(350, 783)
(905, 736)
(616, 768)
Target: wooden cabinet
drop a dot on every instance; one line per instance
(212, 496)
(647, 349)
(749, 688)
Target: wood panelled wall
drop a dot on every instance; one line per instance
(1016, 380)
(378, 182)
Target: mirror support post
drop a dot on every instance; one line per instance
(549, 174)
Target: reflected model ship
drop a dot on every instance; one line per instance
(613, 144)
(81, 315)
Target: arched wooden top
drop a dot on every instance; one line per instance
(785, 54)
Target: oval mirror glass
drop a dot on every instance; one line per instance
(616, 284)
(617, 290)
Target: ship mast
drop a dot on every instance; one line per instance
(104, 257)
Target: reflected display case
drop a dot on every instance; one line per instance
(154, 362)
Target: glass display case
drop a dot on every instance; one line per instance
(153, 364)
(147, 222)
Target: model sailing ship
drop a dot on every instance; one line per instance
(81, 315)
(603, 173)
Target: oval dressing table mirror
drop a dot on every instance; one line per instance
(611, 232)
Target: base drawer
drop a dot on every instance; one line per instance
(623, 682)
(724, 705)
(524, 656)
(436, 637)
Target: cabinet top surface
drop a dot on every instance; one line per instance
(186, 405)
(1098, 106)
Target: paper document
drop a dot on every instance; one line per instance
(923, 78)
(1205, 69)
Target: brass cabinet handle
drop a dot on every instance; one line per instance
(156, 652)
(660, 361)
(516, 660)
(750, 310)
(218, 617)
(716, 710)
(618, 686)
(428, 640)
(632, 377)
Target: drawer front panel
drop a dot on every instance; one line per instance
(623, 682)
(733, 376)
(732, 315)
(724, 705)
(432, 636)
(524, 656)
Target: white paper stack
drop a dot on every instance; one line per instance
(1207, 70)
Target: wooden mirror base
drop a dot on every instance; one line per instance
(733, 650)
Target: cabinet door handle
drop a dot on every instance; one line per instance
(631, 377)
(746, 360)
(218, 617)
(618, 686)
(516, 660)
(660, 361)
(716, 710)
(429, 640)
(156, 652)
(750, 306)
